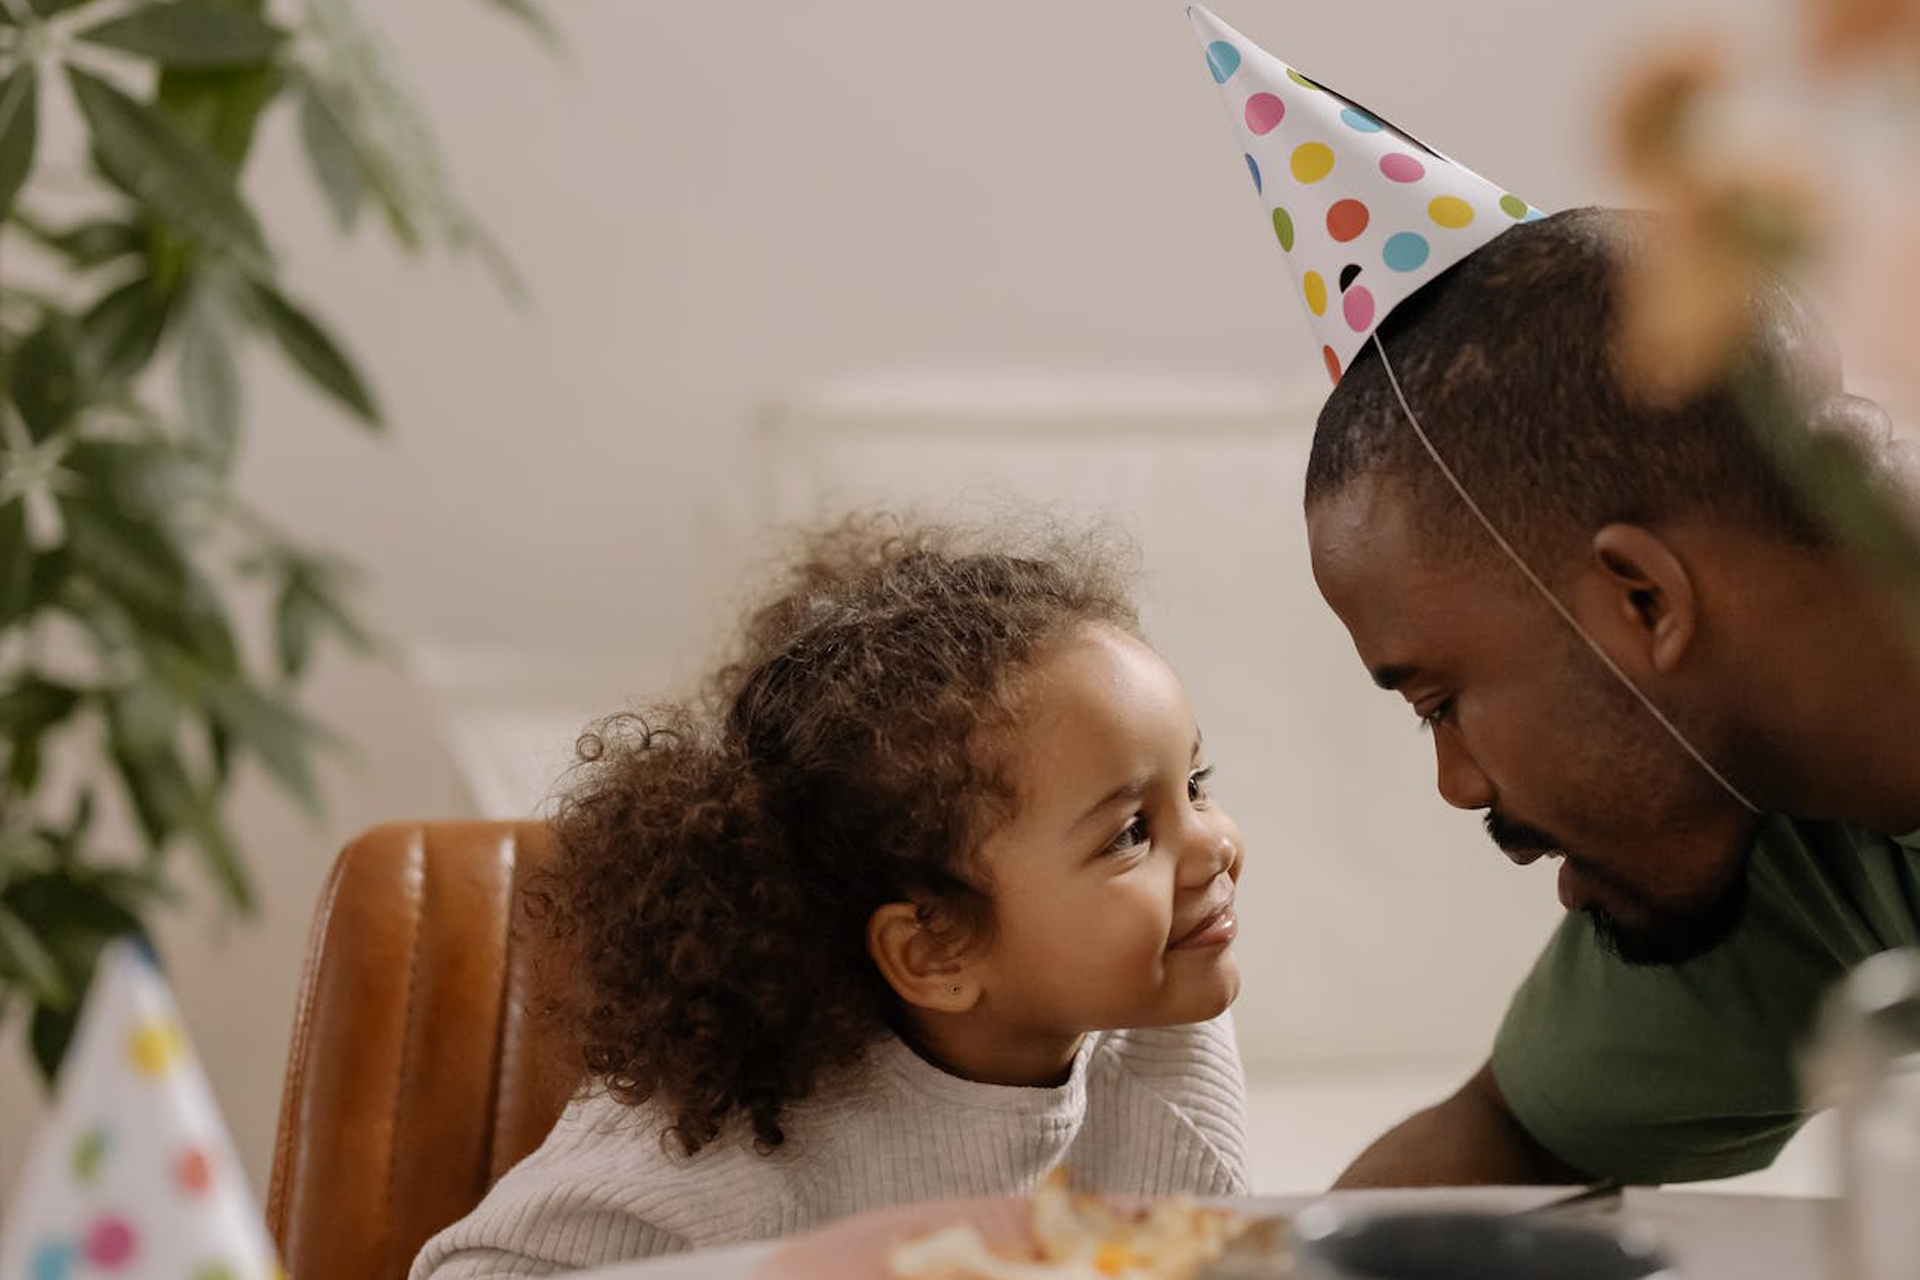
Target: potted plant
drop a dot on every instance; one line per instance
(126, 551)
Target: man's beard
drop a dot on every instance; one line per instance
(1659, 935)
(1673, 935)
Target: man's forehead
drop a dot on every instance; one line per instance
(1363, 534)
(1403, 602)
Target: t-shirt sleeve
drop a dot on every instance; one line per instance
(1662, 1074)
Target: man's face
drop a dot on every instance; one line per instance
(1531, 729)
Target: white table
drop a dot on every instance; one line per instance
(1710, 1236)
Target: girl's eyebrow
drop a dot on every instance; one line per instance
(1129, 790)
(1132, 790)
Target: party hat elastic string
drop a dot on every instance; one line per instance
(1566, 615)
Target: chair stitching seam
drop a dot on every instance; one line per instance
(506, 1044)
(290, 1103)
(406, 1054)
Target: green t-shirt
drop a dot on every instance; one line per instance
(1676, 1073)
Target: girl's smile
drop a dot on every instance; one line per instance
(1216, 929)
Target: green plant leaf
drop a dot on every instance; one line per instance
(173, 176)
(68, 838)
(335, 158)
(48, 1034)
(220, 109)
(298, 620)
(47, 8)
(308, 606)
(534, 19)
(120, 332)
(399, 157)
(315, 353)
(78, 910)
(44, 378)
(30, 705)
(98, 242)
(140, 479)
(145, 716)
(139, 566)
(278, 736)
(16, 565)
(220, 750)
(181, 33)
(19, 125)
(22, 853)
(209, 383)
(23, 765)
(48, 576)
(162, 795)
(26, 961)
(222, 860)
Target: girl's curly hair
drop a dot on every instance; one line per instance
(717, 862)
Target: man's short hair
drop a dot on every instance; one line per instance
(1509, 360)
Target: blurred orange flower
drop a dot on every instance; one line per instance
(1731, 216)
(1844, 31)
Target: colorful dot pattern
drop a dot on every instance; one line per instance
(1364, 214)
(134, 1175)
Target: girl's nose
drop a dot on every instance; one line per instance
(1215, 848)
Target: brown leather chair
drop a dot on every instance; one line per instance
(425, 1061)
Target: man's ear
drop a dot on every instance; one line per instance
(925, 964)
(1646, 594)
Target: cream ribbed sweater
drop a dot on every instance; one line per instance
(1152, 1111)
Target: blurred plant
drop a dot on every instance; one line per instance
(1740, 208)
(124, 546)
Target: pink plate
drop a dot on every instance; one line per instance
(856, 1248)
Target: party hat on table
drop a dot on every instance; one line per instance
(1364, 212)
(133, 1176)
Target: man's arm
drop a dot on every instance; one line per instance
(1470, 1138)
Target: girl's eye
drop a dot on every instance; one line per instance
(1436, 715)
(1197, 784)
(1132, 836)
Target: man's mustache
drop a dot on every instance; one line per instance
(1517, 837)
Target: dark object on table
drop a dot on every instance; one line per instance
(1334, 1243)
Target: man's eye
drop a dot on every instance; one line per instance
(1132, 836)
(1197, 784)
(1436, 715)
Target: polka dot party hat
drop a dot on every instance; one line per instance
(133, 1176)
(1364, 213)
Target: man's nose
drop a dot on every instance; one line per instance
(1457, 775)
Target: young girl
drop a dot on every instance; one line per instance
(931, 899)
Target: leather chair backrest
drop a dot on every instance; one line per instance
(425, 1060)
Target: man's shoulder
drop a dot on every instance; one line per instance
(1857, 889)
(1786, 832)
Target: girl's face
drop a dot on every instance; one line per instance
(1113, 882)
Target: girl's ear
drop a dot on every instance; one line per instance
(919, 960)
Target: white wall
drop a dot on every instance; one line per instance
(717, 202)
